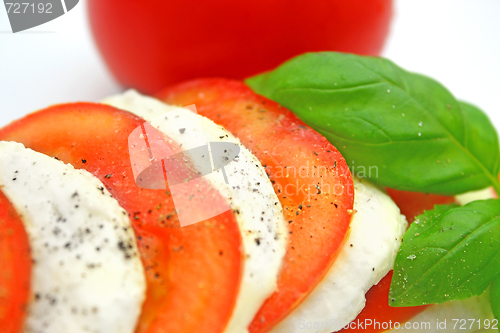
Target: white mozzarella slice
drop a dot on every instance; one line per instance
(87, 275)
(487, 193)
(367, 255)
(257, 209)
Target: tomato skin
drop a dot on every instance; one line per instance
(179, 298)
(15, 271)
(310, 177)
(150, 44)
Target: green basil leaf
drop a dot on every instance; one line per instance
(448, 253)
(495, 298)
(400, 129)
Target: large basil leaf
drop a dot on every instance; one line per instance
(407, 130)
(449, 253)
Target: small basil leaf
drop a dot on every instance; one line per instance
(495, 297)
(406, 129)
(448, 253)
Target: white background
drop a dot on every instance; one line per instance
(456, 42)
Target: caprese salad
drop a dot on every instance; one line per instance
(313, 234)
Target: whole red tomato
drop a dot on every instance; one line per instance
(149, 44)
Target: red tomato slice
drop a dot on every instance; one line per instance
(15, 272)
(310, 176)
(377, 308)
(193, 273)
(413, 204)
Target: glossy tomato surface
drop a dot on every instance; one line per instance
(150, 44)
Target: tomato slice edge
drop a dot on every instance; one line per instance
(16, 263)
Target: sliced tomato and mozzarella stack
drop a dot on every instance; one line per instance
(259, 217)
(52, 132)
(299, 242)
